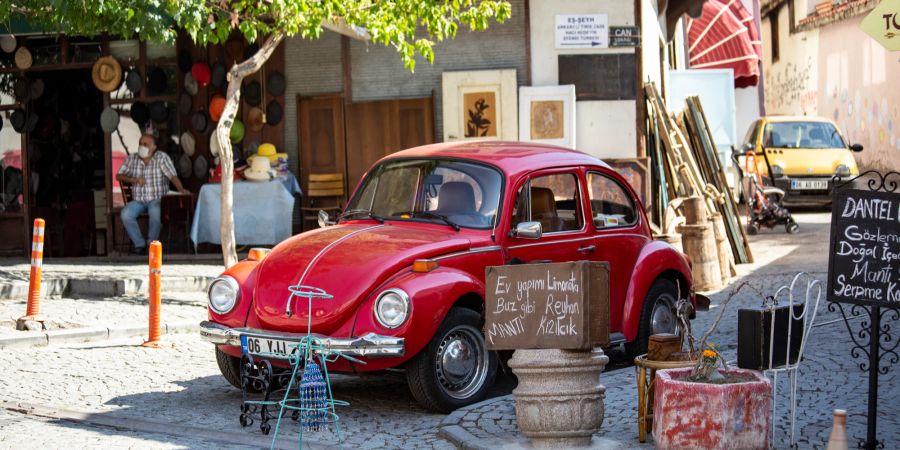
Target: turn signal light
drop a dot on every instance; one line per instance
(424, 265)
(257, 254)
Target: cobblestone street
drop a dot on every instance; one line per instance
(117, 394)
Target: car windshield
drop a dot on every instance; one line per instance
(802, 135)
(458, 194)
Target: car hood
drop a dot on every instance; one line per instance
(811, 161)
(346, 262)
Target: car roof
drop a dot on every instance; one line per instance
(511, 157)
(797, 119)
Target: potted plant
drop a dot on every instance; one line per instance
(711, 406)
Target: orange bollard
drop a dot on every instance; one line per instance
(155, 260)
(33, 309)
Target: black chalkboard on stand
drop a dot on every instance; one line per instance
(864, 261)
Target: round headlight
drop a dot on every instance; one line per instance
(223, 294)
(777, 171)
(392, 308)
(842, 170)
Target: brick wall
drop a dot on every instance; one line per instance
(378, 73)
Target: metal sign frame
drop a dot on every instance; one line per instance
(874, 340)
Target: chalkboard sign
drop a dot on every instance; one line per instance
(599, 77)
(561, 305)
(864, 262)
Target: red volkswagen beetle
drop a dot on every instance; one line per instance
(405, 264)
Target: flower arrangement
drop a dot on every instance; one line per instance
(706, 369)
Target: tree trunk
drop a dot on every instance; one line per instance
(233, 100)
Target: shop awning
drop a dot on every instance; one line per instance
(720, 39)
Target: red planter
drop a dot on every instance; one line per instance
(689, 415)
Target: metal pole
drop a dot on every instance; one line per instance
(871, 441)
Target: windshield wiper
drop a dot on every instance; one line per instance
(353, 212)
(441, 217)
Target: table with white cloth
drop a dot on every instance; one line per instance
(262, 211)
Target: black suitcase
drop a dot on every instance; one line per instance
(754, 337)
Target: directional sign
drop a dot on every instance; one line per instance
(582, 31)
(883, 24)
(624, 36)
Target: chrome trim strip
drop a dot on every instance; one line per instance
(369, 345)
(490, 248)
(559, 241)
(322, 252)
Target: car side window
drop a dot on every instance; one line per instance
(554, 201)
(752, 134)
(611, 205)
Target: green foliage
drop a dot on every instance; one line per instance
(412, 27)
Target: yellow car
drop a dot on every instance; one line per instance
(800, 155)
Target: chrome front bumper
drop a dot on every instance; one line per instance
(370, 345)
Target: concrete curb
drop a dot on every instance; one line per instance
(101, 287)
(451, 430)
(90, 334)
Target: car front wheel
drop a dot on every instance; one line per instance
(455, 369)
(657, 315)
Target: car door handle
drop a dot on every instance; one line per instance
(588, 249)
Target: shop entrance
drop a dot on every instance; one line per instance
(66, 156)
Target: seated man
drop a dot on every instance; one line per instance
(149, 173)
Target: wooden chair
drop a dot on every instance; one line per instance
(324, 191)
(121, 241)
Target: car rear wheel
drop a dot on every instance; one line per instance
(455, 369)
(657, 315)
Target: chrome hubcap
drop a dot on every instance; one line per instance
(461, 362)
(662, 319)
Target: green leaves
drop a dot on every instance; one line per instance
(412, 27)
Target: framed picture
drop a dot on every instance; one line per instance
(637, 172)
(547, 115)
(479, 105)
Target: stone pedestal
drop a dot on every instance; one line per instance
(559, 399)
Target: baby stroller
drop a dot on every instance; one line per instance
(764, 203)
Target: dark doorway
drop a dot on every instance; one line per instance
(66, 157)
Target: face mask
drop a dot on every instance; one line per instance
(143, 152)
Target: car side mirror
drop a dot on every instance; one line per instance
(324, 219)
(856, 148)
(528, 230)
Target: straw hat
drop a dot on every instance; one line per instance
(274, 112)
(184, 166)
(200, 72)
(106, 74)
(214, 147)
(218, 75)
(201, 167)
(260, 170)
(17, 119)
(237, 132)
(187, 143)
(255, 119)
(23, 58)
(190, 84)
(268, 152)
(8, 43)
(275, 84)
(216, 107)
(252, 93)
(109, 119)
(200, 121)
(134, 81)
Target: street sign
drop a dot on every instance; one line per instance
(582, 31)
(864, 262)
(555, 305)
(624, 36)
(883, 24)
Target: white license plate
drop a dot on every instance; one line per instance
(268, 347)
(809, 184)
